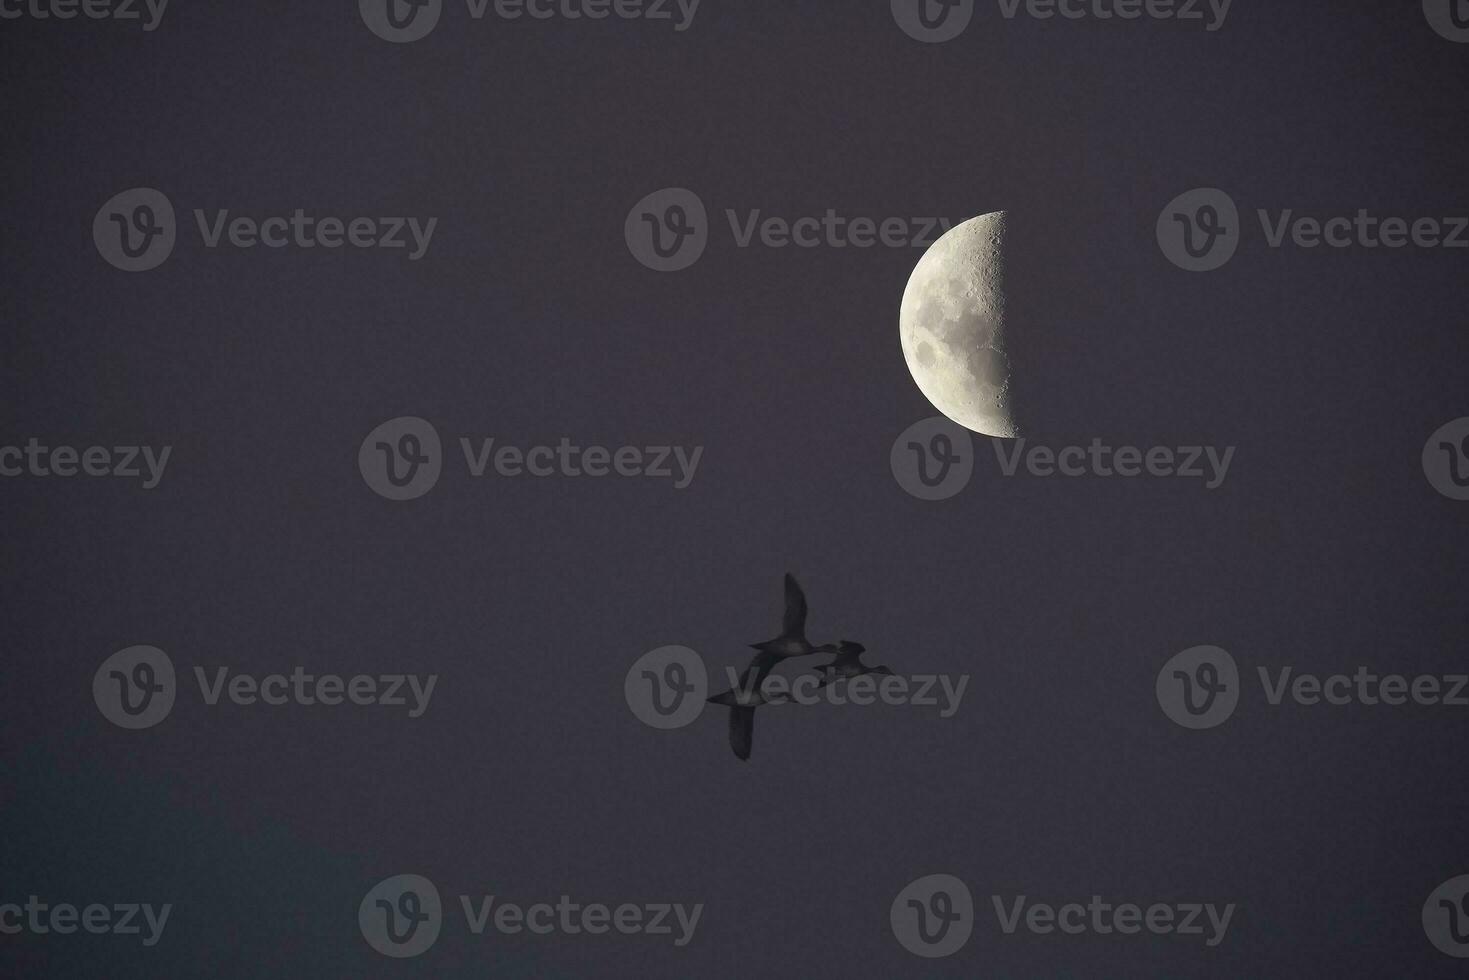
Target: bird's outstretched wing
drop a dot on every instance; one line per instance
(760, 667)
(741, 731)
(750, 680)
(795, 616)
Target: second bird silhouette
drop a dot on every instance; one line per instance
(848, 664)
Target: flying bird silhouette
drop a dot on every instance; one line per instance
(792, 642)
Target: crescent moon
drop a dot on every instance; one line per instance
(952, 324)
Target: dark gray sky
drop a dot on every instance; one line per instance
(528, 320)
